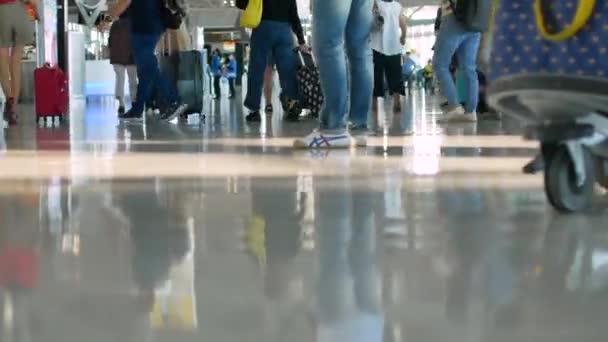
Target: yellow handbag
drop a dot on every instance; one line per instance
(252, 16)
(582, 16)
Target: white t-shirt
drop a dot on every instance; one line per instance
(387, 39)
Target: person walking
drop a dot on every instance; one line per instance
(231, 74)
(121, 58)
(387, 41)
(216, 70)
(146, 30)
(338, 24)
(453, 39)
(16, 30)
(274, 37)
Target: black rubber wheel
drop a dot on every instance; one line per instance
(561, 186)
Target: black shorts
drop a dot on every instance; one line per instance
(389, 67)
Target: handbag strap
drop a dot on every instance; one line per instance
(584, 12)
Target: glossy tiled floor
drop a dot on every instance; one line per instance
(221, 232)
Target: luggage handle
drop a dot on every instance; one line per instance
(584, 12)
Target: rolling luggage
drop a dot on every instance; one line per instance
(550, 70)
(309, 84)
(51, 92)
(185, 70)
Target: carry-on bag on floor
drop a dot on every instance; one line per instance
(309, 84)
(51, 92)
(185, 70)
(550, 69)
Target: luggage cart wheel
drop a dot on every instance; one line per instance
(570, 178)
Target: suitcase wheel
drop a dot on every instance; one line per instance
(565, 189)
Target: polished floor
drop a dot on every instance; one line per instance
(219, 231)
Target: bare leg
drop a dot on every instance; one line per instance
(396, 103)
(119, 90)
(132, 72)
(268, 78)
(16, 56)
(5, 73)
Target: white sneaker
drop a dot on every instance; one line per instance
(454, 115)
(320, 140)
(360, 136)
(460, 118)
(469, 117)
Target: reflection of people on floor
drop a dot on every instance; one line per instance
(18, 263)
(349, 288)
(274, 239)
(159, 243)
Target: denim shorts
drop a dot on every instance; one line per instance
(16, 27)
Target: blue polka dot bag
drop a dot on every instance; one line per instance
(567, 37)
(554, 50)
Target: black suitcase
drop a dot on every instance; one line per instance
(309, 84)
(185, 70)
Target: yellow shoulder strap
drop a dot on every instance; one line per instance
(582, 16)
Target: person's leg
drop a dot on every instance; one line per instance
(16, 62)
(329, 24)
(286, 65)
(378, 90)
(261, 42)
(5, 72)
(149, 73)
(358, 28)
(467, 57)
(448, 40)
(132, 73)
(268, 83)
(217, 86)
(393, 76)
(119, 89)
(231, 85)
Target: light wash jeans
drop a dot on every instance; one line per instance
(349, 275)
(336, 24)
(452, 39)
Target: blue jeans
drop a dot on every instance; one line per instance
(337, 22)
(452, 39)
(148, 72)
(348, 270)
(271, 38)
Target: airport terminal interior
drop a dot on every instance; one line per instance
(211, 228)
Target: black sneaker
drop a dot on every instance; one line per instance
(254, 117)
(173, 111)
(121, 110)
(269, 109)
(131, 115)
(535, 166)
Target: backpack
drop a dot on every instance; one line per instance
(475, 15)
(172, 14)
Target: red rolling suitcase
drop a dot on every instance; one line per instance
(51, 90)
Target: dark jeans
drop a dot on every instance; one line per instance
(389, 67)
(148, 72)
(276, 39)
(231, 85)
(216, 86)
